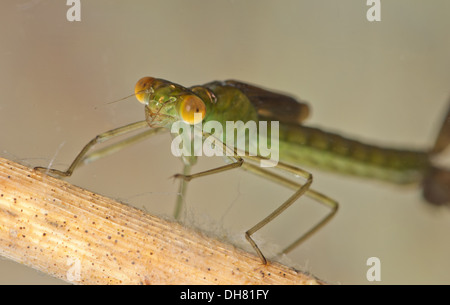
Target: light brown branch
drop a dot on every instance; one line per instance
(85, 238)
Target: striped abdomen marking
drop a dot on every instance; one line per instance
(314, 147)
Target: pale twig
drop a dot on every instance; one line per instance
(84, 238)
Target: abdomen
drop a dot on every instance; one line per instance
(308, 146)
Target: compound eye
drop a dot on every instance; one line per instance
(192, 109)
(143, 89)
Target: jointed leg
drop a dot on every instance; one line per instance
(106, 151)
(330, 203)
(181, 192)
(300, 190)
(98, 139)
(231, 154)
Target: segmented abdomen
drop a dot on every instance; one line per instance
(313, 147)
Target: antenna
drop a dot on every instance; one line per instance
(123, 98)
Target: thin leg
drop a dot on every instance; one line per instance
(106, 151)
(330, 203)
(216, 170)
(300, 190)
(98, 139)
(181, 192)
(231, 154)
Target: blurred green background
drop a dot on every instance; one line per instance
(387, 82)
